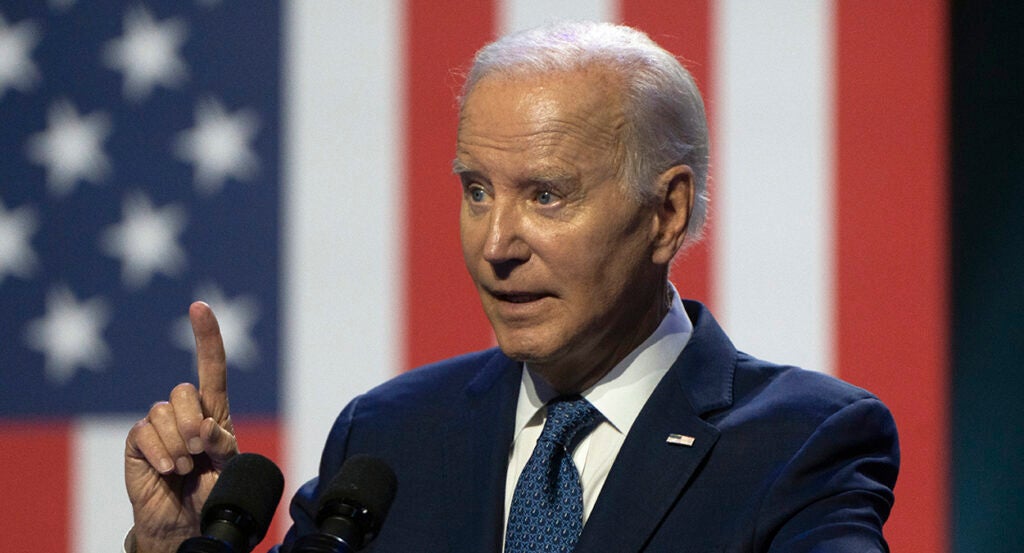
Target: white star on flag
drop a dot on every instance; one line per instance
(16, 229)
(236, 318)
(71, 147)
(146, 240)
(16, 68)
(69, 335)
(218, 145)
(147, 53)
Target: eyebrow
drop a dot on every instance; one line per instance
(552, 176)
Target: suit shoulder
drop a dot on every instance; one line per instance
(794, 392)
(430, 384)
(788, 413)
(405, 405)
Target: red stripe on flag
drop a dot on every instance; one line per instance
(892, 260)
(263, 436)
(683, 27)
(35, 479)
(442, 310)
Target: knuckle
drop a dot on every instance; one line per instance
(183, 391)
(160, 410)
(144, 439)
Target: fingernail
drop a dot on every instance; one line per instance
(195, 446)
(165, 465)
(184, 465)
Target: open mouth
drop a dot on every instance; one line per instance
(518, 297)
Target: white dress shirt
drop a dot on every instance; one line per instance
(618, 396)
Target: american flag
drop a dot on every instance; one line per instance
(290, 164)
(131, 136)
(141, 148)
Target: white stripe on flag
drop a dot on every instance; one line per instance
(514, 15)
(100, 512)
(342, 185)
(774, 175)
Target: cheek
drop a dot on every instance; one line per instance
(582, 267)
(609, 262)
(468, 237)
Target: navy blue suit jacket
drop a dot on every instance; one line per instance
(782, 459)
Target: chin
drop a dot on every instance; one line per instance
(525, 346)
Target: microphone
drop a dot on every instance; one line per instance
(352, 507)
(241, 505)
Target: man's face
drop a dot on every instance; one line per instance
(560, 253)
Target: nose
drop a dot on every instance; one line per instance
(504, 245)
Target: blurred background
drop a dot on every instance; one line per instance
(289, 163)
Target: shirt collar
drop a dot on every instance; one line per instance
(621, 394)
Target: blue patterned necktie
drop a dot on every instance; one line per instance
(547, 506)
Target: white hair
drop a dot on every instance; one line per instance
(666, 124)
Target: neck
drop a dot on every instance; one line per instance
(564, 375)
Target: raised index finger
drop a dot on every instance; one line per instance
(211, 362)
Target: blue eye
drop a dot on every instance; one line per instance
(476, 194)
(545, 198)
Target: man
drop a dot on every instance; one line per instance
(582, 153)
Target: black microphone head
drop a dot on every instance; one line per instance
(250, 488)
(365, 483)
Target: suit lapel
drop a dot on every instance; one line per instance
(476, 453)
(650, 472)
(647, 477)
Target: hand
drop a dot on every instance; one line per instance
(174, 455)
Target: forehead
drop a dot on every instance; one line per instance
(579, 109)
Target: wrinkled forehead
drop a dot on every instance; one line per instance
(612, 79)
(584, 102)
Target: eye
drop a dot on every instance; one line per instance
(545, 197)
(476, 193)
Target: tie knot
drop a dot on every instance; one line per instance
(567, 415)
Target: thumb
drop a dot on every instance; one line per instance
(218, 443)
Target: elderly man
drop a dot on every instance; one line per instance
(613, 416)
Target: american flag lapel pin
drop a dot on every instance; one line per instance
(679, 439)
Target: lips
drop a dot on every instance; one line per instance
(518, 296)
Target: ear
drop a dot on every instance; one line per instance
(675, 201)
